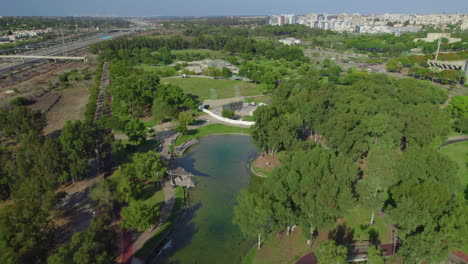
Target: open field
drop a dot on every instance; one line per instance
(71, 106)
(211, 130)
(458, 152)
(204, 88)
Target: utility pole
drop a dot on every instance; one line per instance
(438, 48)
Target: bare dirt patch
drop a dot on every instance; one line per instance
(70, 106)
(267, 162)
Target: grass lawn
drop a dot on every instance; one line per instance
(152, 194)
(458, 152)
(205, 88)
(359, 216)
(279, 249)
(165, 228)
(211, 130)
(259, 99)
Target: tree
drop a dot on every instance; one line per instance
(186, 118)
(458, 106)
(181, 128)
(374, 256)
(20, 121)
(78, 143)
(150, 166)
(226, 73)
(94, 245)
(330, 253)
(125, 182)
(253, 215)
(380, 175)
(102, 193)
(138, 215)
(136, 131)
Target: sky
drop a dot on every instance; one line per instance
(224, 7)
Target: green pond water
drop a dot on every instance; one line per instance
(205, 233)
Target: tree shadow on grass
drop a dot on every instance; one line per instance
(341, 234)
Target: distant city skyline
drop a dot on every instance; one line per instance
(152, 8)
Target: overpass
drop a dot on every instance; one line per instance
(84, 59)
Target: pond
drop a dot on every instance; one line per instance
(205, 233)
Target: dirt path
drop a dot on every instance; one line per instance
(77, 209)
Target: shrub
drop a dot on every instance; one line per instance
(227, 113)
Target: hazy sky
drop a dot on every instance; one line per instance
(223, 7)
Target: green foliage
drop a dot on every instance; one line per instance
(138, 216)
(78, 141)
(253, 214)
(374, 256)
(458, 106)
(226, 73)
(20, 121)
(136, 130)
(20, 101)
(26, 233)
(94, 245)
(149, 166)
(227, 113)
(186, 118)
(126, 185)
(181, 128)
(330, 253)
(102, 193)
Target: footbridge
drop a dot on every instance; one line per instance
(23, 57)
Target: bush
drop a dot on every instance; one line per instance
(181, 128)
(227, 113)
(20, 101)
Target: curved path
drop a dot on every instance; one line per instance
(456, 139)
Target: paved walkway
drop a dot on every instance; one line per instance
(455, 139)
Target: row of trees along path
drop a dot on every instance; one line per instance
(138, 240)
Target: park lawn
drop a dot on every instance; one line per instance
(259, 99)
(211, 129)
(165, 228)
(279, 248)
(152, 194)
(458, 152)
(204, 88)
(162, 70)
(359, 216)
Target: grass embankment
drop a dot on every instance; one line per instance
(165, 228)
(211, 129)
(204, 88)
(458, 152)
